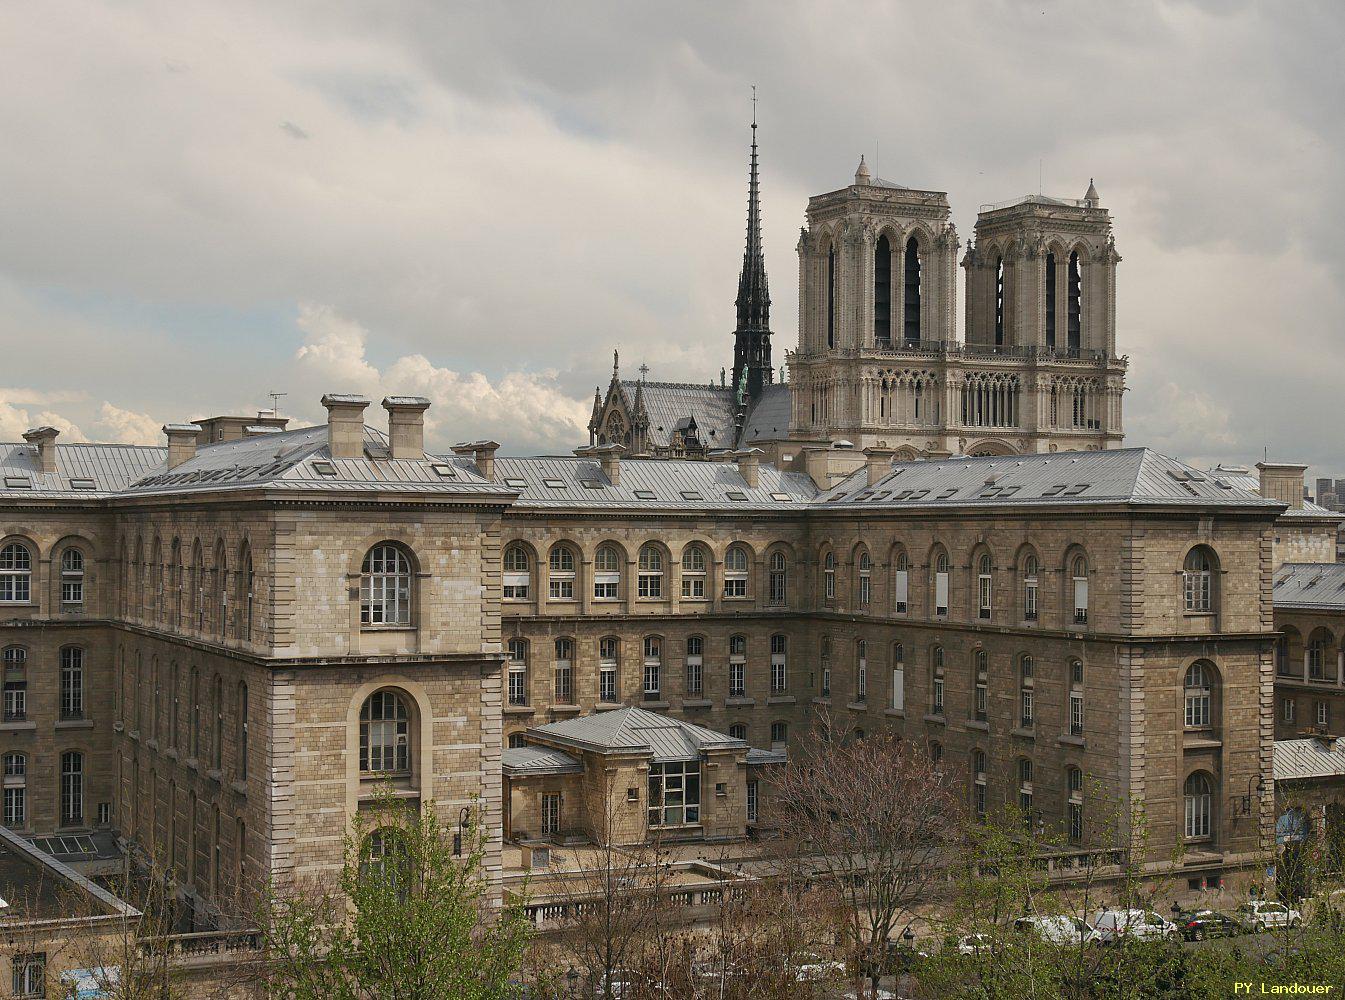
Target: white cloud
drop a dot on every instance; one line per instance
(127, 426)
(523, 410)
(15, 420)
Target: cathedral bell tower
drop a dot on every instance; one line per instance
(752, 338)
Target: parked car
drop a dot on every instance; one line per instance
(813, 969)
(974, 944)
(1263, 914)
(1141, 925)
(1057, 929)
(1201, 924)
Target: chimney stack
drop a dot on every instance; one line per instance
(878, 461)
(406, 425)
(44, 438)
(1282, 481)
(345, 424)
(182, 440)
(610, 456)
(749, 464)
(483, 454)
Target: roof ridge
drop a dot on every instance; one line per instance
(678, 385)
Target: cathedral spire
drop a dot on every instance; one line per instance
(752, 338)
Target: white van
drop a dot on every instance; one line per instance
(1058, 929)
(1142, 925)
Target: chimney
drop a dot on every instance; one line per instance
(878, 461)
(483, 454)
(44, 439)
(182, 440)
(611, 462)
(1282, 481)
(749, 463)
(406, 425)
(345, 424)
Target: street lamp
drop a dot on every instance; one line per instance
(463, 814)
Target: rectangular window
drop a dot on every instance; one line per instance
(938, 695)
(695, 675)
(777, 588)
(605, 586)
(1287, 709)
(862, 675)
(735, 586)
(984, 596)
(1081, 600)
(978, 797)
(650, 585)
(693, 587)
(607, 682)
(1323, 713)
(16, 806)
(752, 801)
(674, 793)
(72, 683)
(865, 589)
(779, 673)
(1030, 601)
(1075, 822)
(652, 684)
(901, 585)
(560, 589)
(1025, 712)
(737, 679)
(564, 683)
(518, 683)
(898, 700)
(72, 789)
(29, 975)
(516, 586)
(550, 814)
(940, 593)
(1076, 713)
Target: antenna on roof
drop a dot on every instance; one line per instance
(275, 402)
(754, 105)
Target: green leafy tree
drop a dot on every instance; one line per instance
(411, 918)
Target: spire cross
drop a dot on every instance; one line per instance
(644, 370)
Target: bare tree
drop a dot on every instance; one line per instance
(871, 820)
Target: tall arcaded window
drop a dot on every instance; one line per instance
(385, 586)
(911, 302)
(385, 734)
(1027, 715)
(861, 670)
(941, 583)
(517, 574)
(936, 681)
(693, 573)
(736, 563)
(695, 670)
(1198, 796)
(518, 671)
(72, 577)
(737, 666)
(1031, 576)
(897, 697)
(653, 668)
(16, 790)
(984, 590)
(608, 652)
(72, 683)
(1074, 804)
(16, 574)
(882, 292)
(825, 658)
(978, 783)
(650, 580)
(607, 574)
(1025, 791)
(16, 684)
(1198, 574)
(829, 576)
(865, 579)
(1197, 695)
(779, 664)
(778, 579)
(560, 575)
(1079, 580)
(1076, 697)
(901, 584)
(72, 788)
(564, 671)
(981, 679)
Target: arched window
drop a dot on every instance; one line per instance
(1074, 804)
(217, 738)
(241, 737)
(882, 292)
(564, 671)
(176, 585)
(1074, 313)
(518, 671)
(936, 681)
(1027, 716)
(695, 672)
(1076, 697)
(941, 583)
(778, 579)
(243, 624)
(385, 587)
(16, 574)
(1197, 687)
(1031, 577)
(16, 683)
(560, 575)
(981, 681)
(936, 757)
(16, 790)
(1025, 791)
(779, 735)
(608, 665)
(831, 295)
(387, 858)
(194, 705)
(779, 664)
(653, 668)
(978, 783)
(517, 573)
(737, 666)
(219, 590)
(1079, 580)
(912, 318)
(984, 591)
(829, 576)
(736, 562)
(607, 574)
(861, 670)
(72, 788)
(824, 657)
(196, 592)
(1198, 579)
(693, 573)
(650, 578)
(999, 300)
(385, 734)
(1050, 302)
(865, 578)
(72, 578)
(738, 731)
(901, 583)
(1199, 801)
(897, 696)
(516, 740)
(72, 683)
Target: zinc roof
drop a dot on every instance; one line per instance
(1136, 476)
(538, 760)
(110, 467)
(654, 484)
(1310, 757)
(768, 419)
(639, 730)
(1244, 480)
(669, 403)
(1312, 586)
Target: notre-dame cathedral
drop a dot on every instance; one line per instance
(878, 362)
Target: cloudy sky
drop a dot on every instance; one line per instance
(202, 203)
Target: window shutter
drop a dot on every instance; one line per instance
(902, 584)
(1081, 594)
(941, 590)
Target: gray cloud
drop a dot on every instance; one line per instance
(510, 190)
